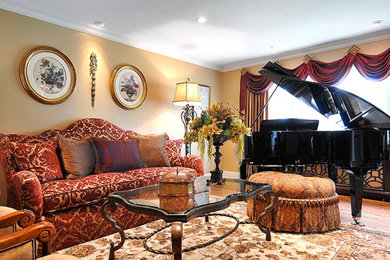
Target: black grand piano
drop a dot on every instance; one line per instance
(362, 146)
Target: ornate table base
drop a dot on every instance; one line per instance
(177, 229)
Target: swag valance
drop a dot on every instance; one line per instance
(372, 67)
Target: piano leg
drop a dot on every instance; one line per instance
(243, 171)
(332, 173)
(356, 192)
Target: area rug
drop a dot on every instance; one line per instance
(247, 242)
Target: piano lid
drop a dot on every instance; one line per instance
(355, 111)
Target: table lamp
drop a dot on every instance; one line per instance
(187, 95)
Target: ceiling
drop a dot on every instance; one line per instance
(237, 33)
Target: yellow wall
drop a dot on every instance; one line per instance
(19, 113)
(231, 83)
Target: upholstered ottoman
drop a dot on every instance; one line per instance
(305, 204)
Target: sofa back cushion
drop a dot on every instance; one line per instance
(153, 150)
(78, 158)
(116, 156)
(174, 151)
(39, 158)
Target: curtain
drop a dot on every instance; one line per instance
(255, 84)
(331, 73)
(254, 103)
(372, 67)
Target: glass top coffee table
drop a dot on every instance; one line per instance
(205, 200)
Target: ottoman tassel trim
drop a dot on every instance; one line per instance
(306, 202)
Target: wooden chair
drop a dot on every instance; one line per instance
(12, 219)
(19, 236)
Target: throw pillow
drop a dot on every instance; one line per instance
(174, 151)
(39, 158)
(153, 149)
(116, 156)
(78, 157)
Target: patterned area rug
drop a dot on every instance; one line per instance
(247, 242)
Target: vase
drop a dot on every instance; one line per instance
(216, 175)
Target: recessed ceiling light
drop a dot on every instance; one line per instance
(377, 22)
(99, 23)
(201, 19)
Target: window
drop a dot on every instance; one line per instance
(284, 105)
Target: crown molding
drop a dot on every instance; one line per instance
(91, 30)
(328, 46)
(99, 32)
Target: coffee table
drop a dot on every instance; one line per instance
(208, 198)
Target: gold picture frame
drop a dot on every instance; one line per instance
(128, 86)
(205, 98)
(47, 75)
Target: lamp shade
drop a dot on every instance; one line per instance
(186, 93)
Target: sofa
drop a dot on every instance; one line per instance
(73, 205)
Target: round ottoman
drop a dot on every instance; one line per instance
(305, 204)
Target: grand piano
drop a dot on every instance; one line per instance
(362, 146)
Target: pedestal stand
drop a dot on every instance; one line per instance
(216, 174)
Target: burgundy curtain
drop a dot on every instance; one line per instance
(372, 67)
(256, 84)
(300, 71)
(331, 73)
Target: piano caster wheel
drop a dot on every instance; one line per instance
(356, 221)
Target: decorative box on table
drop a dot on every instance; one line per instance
(177, 191)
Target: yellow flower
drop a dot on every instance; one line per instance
(216, 130)
(210, 130)
(220, 118)
(215, 106)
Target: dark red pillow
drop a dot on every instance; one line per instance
(116, 156)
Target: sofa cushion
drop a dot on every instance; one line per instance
(174, 151)
(39, 158)
(77, 157)
(153, 150)
(116, 156)
(64, 194)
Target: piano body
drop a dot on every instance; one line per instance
(362, 146)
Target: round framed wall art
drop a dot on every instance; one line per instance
(47, 75)
(128, 86)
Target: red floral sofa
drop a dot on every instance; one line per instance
(73, 206)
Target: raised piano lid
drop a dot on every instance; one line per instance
(355, 111)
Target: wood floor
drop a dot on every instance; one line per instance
(375, 214)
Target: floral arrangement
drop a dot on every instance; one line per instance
(52, 76)
(219, 119)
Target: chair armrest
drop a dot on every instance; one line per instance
(43, 232)
(194, 162)
(23, 218)
(28, 192)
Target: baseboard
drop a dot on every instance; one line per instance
(231, 175)
(228, 174)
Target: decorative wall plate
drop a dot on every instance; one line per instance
(128, 86)
(47, 75)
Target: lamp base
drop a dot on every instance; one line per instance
(186, 116)
(216, 177)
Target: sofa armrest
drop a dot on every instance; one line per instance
(28, 192)
(194, 162)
